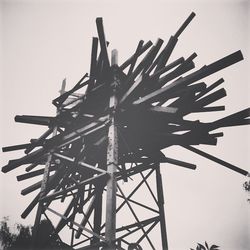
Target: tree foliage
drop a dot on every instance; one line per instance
(20, 238)
(246, 186)
(205, 247)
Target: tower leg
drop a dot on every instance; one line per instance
(97, 216)
(161, 209)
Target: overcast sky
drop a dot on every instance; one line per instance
(45, 41)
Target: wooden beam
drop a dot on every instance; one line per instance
(102, 40)
(195, 76)
(185, 24)
(132, 58)
(217, 160)
(33, 174)
(15, 147)
(82, 183)
(36, 120)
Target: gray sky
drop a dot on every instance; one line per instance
(44, 41)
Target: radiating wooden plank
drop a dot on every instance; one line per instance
(238, 118)
(33, 173)
(185, 66)
(185, 24)
(24, 160)
(145, 63)
(131, 89)
(85, 182)
(136, 55)
(36, 120)
(213, 97)
(30, 207)
(166, 53)
(31, 166)
(168, 67)
(132, 58)
(217, 160)
(31, 188)
(15, 147)
(195, 76)
(60, 99)
(164, 110)
(39, 141)
(208, 89)
(209, 109)
(93, 63)
(102, 40)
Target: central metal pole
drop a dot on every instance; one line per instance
(112, 162)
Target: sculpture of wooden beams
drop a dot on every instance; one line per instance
(112, 126)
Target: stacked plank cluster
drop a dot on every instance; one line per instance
(154, 96)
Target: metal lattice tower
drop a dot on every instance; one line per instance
(109, 131)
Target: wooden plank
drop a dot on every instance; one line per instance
(30, 207)
(31, 188)
(136, 55)
(152, 56)
(138, 81)
(32, 166)
(24, 160)
(164, 110)
(185, 24)
(102, 40)
(208, 109)
(181, 69)
(36, 120)
(33, 174)
(39, 141)
(166, 68)
(145, 63)
(238, 118)
(166, 53)
(195, 76)
(82, 183)
(189, 90)
(68, 137)
(93, 63)
(60, 99)
(132, 58)
(15, 147)
(52, 180)
(213, 97)
(217, 160)
(208, 89)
